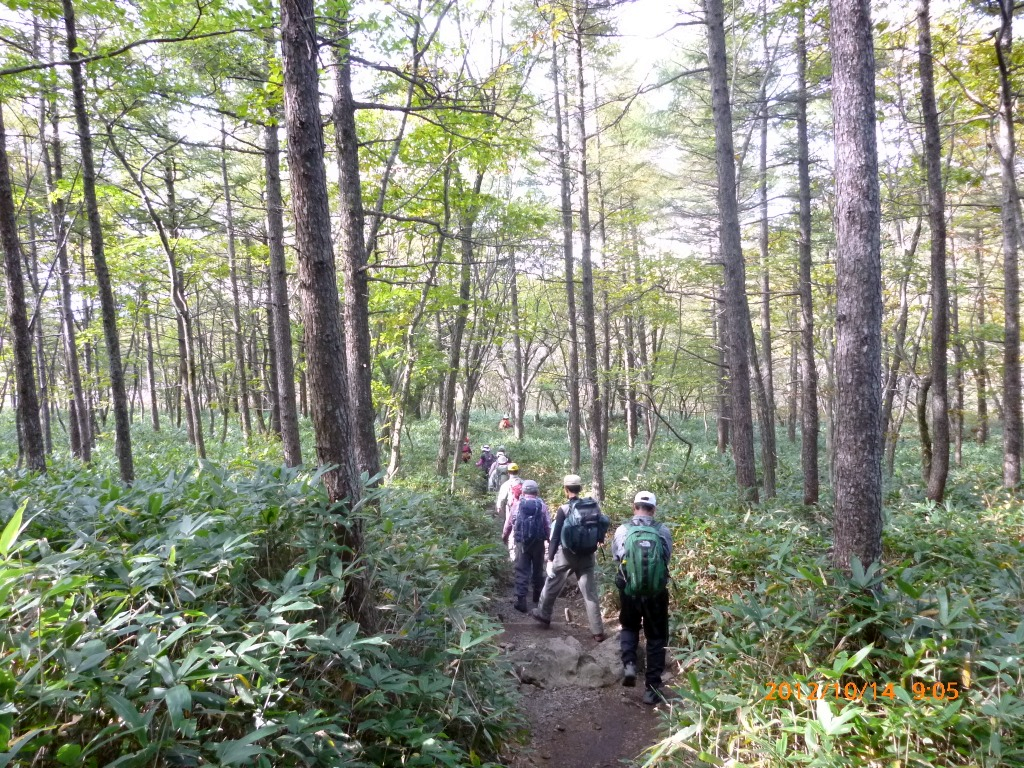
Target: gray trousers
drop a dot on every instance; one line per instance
(583, 567)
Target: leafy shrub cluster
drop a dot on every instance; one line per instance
(194, 619)
(915, 663)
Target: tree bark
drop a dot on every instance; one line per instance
(29, 427)
(940, 289)
(737, 312)
(150, 363)
(236, 312)
(354, 262)
(808, 372)
(981, 374)
(958, 369)
(518, 373)
(325, 343)
(1011, 221)
(281, 336)
(53, 172)
(573, 369)
(108, 308)
(858, 477)
(922, 427)
(590, 368)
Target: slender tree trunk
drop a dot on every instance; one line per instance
(858, 482)
(573, 372)
(150, 365)
(325, 343)
(765, 416)
(108, 308)
(519, 374)
(958, 370)
(1011, 220)
(793, 395)
(808, 372)
(36, 326)
(354, 262)
(446, 403)
(899, 353)
(236, 313)
(281, 336)
(923, 387)
(737, 312)
(767, 360)
(27, 405)
(940, 290)
(53, 172)
(722, 378)
(590, 368)
(981, 374)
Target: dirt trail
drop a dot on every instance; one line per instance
(573, 724)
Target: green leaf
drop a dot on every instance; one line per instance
(69, 754)
(179, 701)
(12, 529)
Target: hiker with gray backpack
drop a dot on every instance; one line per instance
(530, 523)
(642, 549)
(579, 529)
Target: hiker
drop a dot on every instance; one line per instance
(466, 450)
(485, 460)
(505, 423)
(498, 472)
(579, 529)
(642, 549)
(529, 524)
(509, 492)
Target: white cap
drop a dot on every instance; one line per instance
(646, 497)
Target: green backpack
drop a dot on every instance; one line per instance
(643, 563)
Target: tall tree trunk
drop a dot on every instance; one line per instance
(354, 262)
(808, 372)
(108, 308)
(242, 376)
(573, 369)
(766, 418)
(1011, 220)
(150, 365)
(446, 400)
(281, 337)
(909, 379)
(958, 370)
(325, 343)
(590, 368)
(767, 361)
(890, 431)
(940, 289)
(858, 480)
(29, 427)
(737, 312)
(793, 394)
(981, 374)
(36, 327)
(53, 172)
(518, 373)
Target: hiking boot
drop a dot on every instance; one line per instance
(629, 675)
(652, 696)
(536, 615)
(599, 638)
(520, 604)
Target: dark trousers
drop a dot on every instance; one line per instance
(651, 615)
(529, 568)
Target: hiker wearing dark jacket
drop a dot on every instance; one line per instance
(563, 561)
(649, 613)
(485, 460)
(531, 534)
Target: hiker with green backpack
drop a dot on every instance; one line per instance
(642, 549)
(579, 529)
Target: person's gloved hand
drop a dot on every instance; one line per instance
(551, 569)
(504, 540)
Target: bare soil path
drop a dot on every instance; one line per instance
(578, 713)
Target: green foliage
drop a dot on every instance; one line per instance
(757, 605)
(195, 619)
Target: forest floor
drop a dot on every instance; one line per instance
(580, 716)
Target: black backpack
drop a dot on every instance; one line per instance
(529, 525)
(584, 526)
